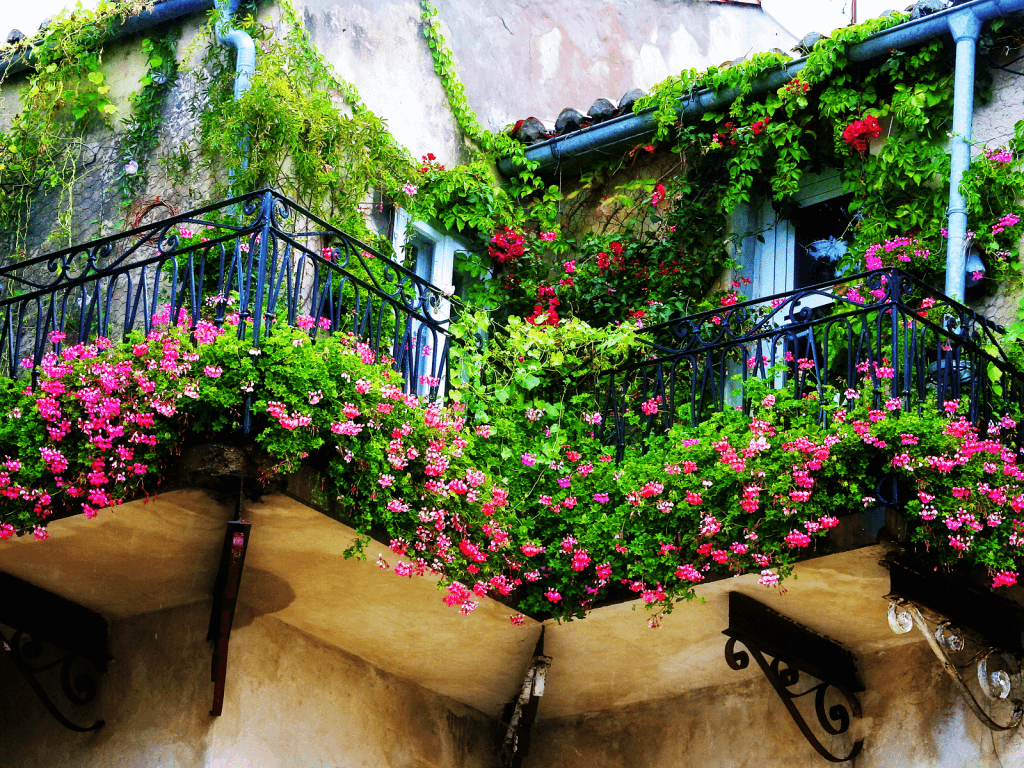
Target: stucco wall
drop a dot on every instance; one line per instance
(993, 126)
(913, 718)
(291, 702)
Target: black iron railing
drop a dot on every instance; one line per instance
(911, 340)
(235, 260)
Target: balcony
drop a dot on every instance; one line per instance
(912, 342)
(248, 262)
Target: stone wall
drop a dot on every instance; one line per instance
(993, 126)
(291, 702)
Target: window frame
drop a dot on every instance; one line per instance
(774, 263)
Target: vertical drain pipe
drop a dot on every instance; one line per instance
(245, 62)
(966, 27)
(245, 48)
(245, 68)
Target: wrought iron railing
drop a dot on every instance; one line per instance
(911, 340)
(234, 260)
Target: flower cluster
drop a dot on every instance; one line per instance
(857, 133)
(506, 246)
(555, 531)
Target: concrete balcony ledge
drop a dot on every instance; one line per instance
(162, 552)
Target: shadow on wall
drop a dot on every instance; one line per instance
(262, 592)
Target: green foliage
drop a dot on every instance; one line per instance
(139, 138)
(64, 94)
(495, 144)
(290, 129)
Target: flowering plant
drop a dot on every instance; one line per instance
(857, 133)
(508, 491)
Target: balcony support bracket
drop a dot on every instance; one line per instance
(998, 672)
(794, 650)
(968, 627)
(225, 597)
(523, 709)
(27, 653)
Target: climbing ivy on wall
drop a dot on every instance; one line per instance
(141, 131)
(608, 246)
(299, 128)
(514, 459)
(66, 93)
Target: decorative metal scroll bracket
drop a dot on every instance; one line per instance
(26, 652)
(999, 673)
(524, 709)
(794, 650)
(225, 597)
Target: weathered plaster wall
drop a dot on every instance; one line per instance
(913, 718)
(377, 45)
(552, 54)
(525, 57)
(292, 702)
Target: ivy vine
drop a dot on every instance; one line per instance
(63, 96)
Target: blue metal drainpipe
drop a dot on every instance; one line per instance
(245, 62)
(965, 27)
(245, 48)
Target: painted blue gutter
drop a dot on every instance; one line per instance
(621, 134)
(161, 13)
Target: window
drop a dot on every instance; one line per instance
(431, 254)
(798, 253)
(804, 250)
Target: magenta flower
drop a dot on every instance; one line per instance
(528, 459)
(797, 539)
(601, 498)
(1004, 579)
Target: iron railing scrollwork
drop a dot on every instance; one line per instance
(251, 260)
(887, 325)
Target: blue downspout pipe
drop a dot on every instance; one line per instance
(245, 68)
(245, 62)
(965, 27)
(245, 47)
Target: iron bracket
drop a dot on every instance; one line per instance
(25, 651)
(966, 626)
(524, 709)
(38, 620)
(998, 672)
(225, 597)
(794, 650)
